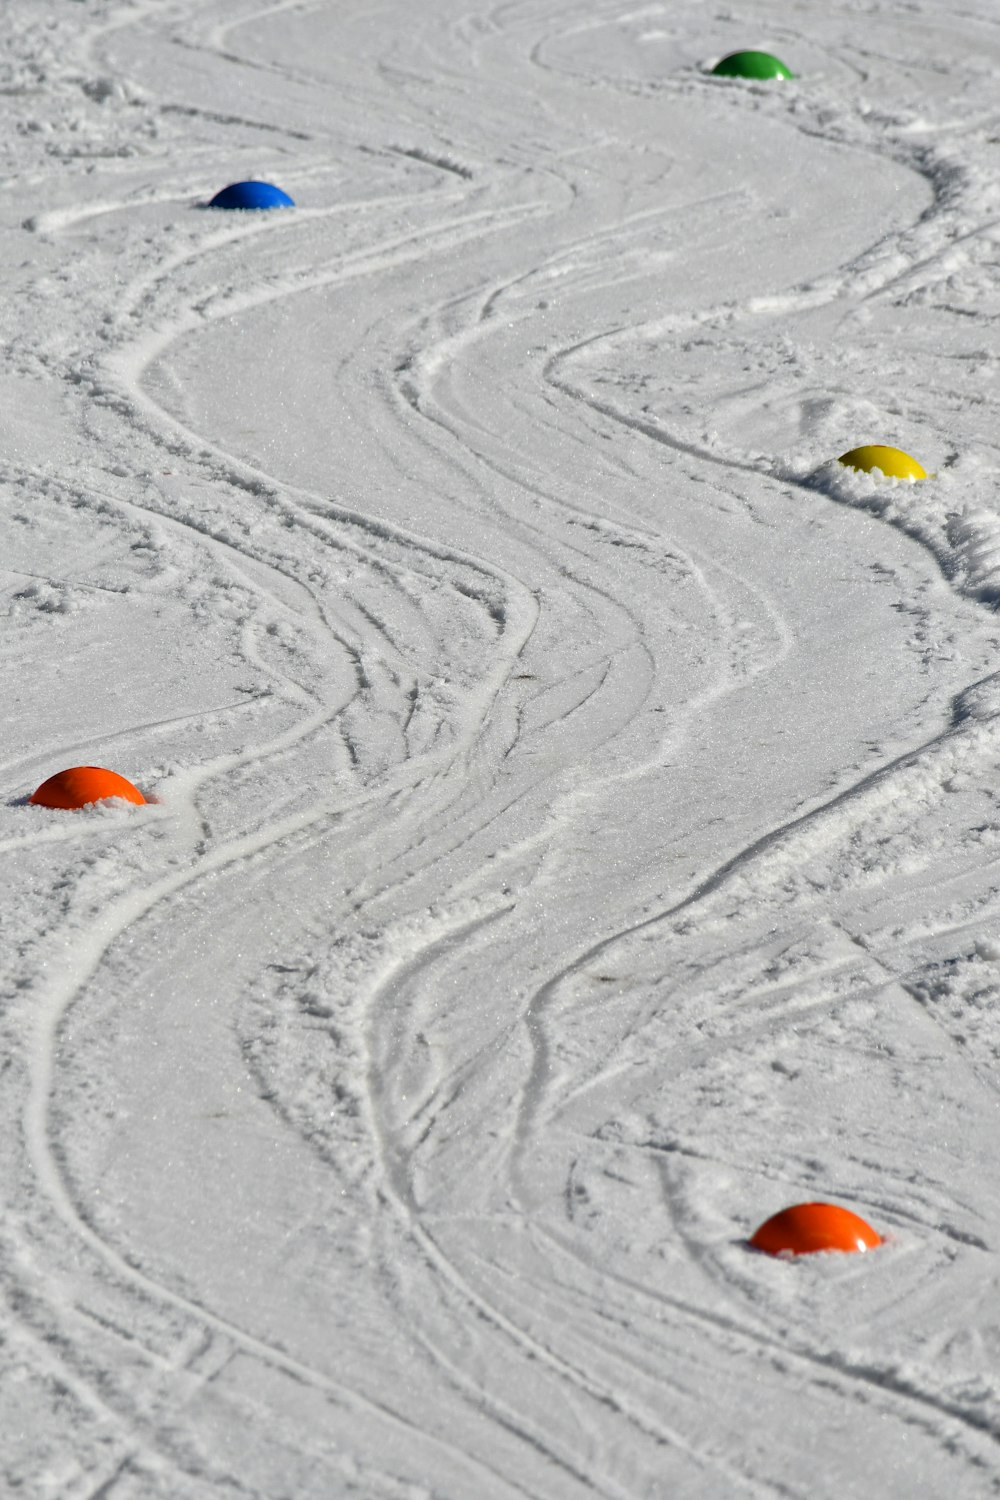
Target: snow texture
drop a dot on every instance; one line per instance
(576, 834)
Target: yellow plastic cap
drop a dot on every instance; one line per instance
(893, 462)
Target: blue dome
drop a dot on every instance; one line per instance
(251, 195)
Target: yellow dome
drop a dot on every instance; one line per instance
(893, 462)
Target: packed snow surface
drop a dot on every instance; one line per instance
(574, 830)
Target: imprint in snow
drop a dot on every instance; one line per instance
(53, 599)
(975, 537)
(101, 90)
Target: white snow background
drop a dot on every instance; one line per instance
(577, 831)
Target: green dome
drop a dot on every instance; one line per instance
(751, 65)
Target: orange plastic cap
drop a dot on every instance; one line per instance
(809, 1227)
(80, 785)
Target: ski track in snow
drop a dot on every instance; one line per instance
(575, 834)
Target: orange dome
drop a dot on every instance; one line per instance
(79, 785)
(808, 1227)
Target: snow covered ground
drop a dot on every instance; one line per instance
(577, 830)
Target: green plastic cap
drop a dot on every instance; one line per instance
(751, 65)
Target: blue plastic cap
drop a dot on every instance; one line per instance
(251, 195)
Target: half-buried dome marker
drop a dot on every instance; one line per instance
(79, 786)
(751, 64)
(892, 462)
(251, 195)
(808, 1228)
